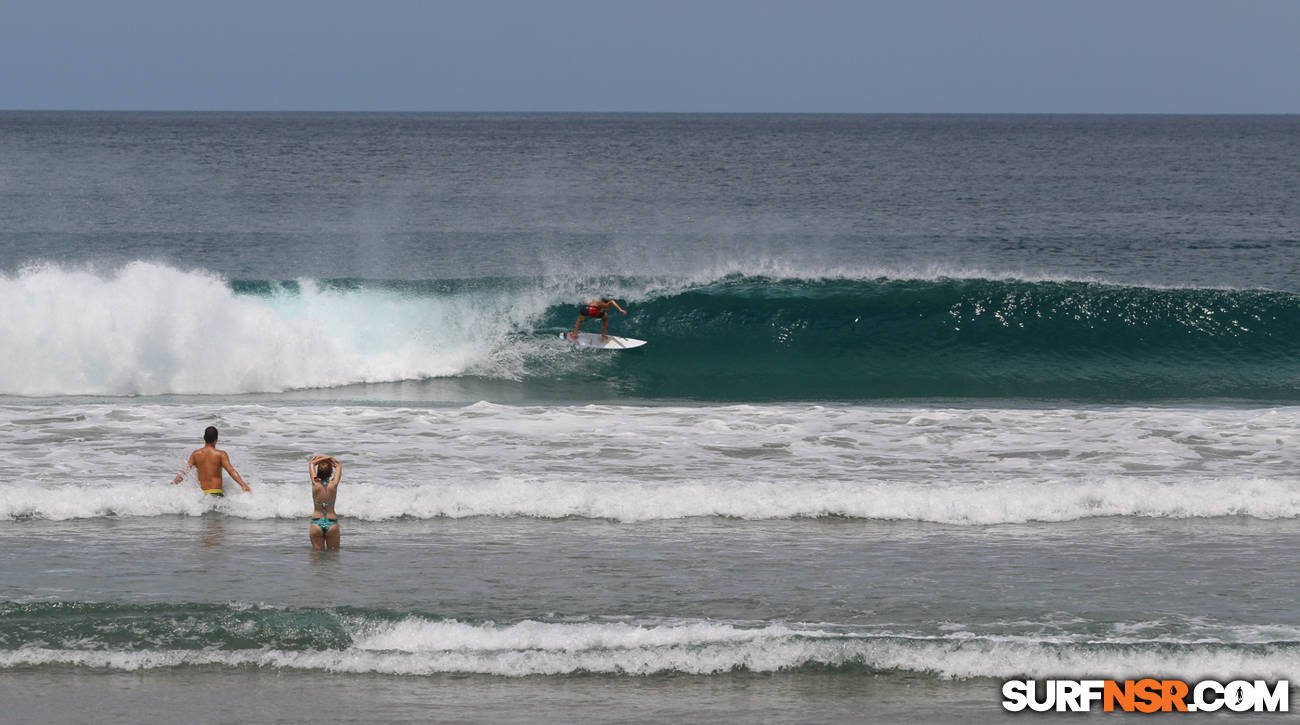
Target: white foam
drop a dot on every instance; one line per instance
(951, 466)
(1003, 503)
(149, 329)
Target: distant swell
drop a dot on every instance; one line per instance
(148, 329)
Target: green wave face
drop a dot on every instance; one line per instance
(758, 339)
(129, 628)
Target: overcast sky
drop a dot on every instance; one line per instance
(856, 56)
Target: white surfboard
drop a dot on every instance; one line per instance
(592, 339)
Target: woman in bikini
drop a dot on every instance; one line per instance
(325, 473)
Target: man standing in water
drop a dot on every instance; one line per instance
(210, 461)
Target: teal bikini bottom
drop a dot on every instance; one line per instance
(324, 524)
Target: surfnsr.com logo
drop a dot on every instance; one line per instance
(1145, 695)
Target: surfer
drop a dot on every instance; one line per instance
(324, 472)
(210, 461)
(599, 310)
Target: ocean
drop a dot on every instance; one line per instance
(928, 403)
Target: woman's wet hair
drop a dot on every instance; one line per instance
(324, 470)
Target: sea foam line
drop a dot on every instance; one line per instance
(1011, 502)
(415, 647)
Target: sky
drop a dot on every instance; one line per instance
(765, 56)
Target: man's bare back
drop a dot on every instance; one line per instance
(210, 462)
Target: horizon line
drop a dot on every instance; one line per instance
(251, 111)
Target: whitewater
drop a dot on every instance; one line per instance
(955, 465)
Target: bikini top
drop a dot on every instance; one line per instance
(324, 506)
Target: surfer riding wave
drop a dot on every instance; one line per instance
(598, 310)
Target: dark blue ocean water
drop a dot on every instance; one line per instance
(928, 402)
(1176, 201)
